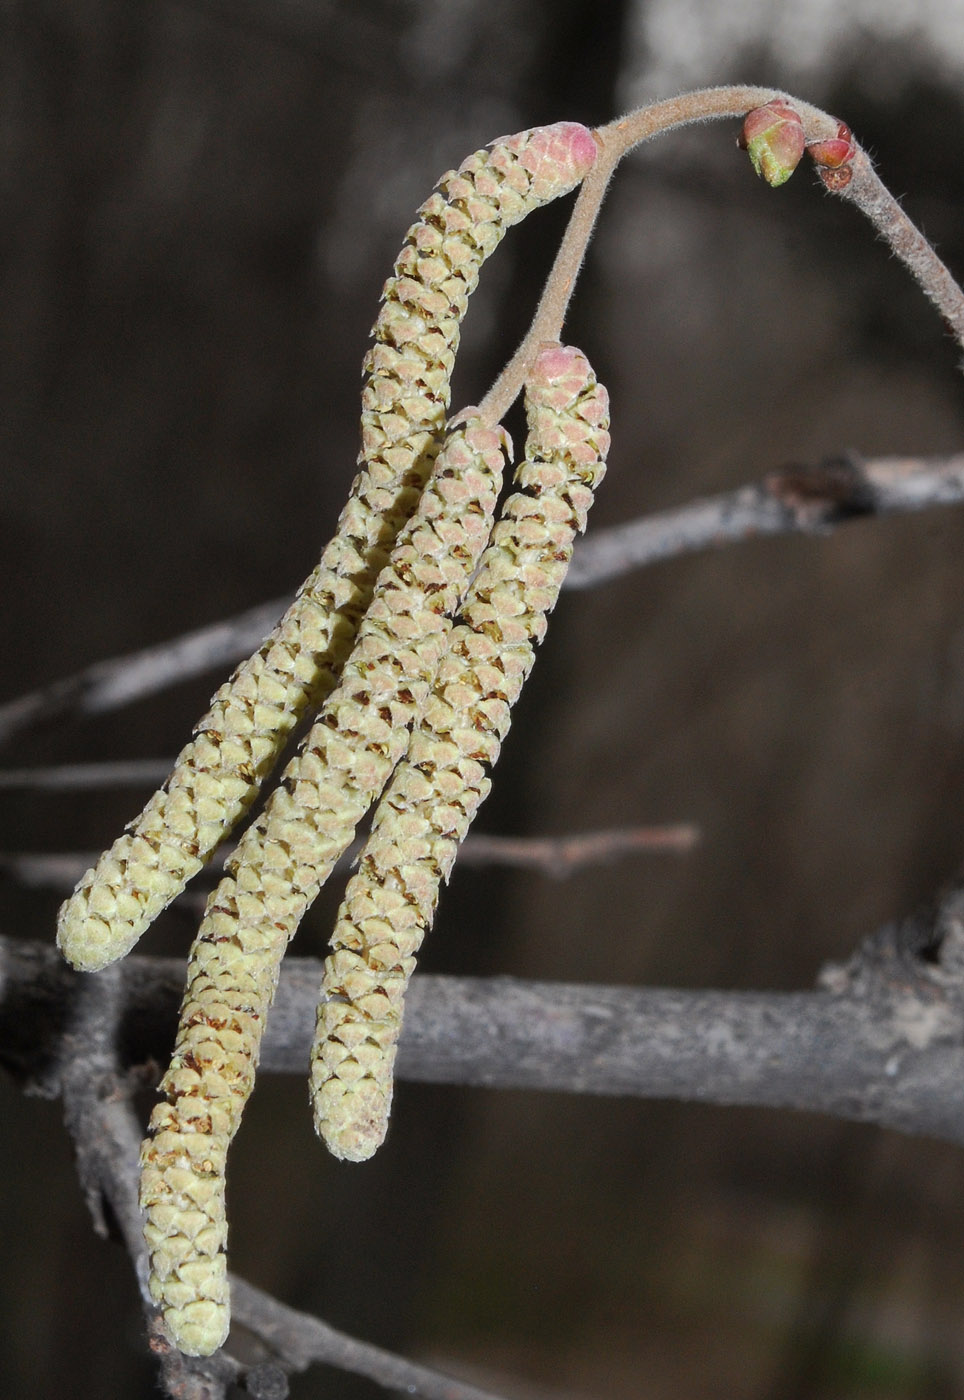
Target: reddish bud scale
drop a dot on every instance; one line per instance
(836, 180)
(837, 151)
(832, 158)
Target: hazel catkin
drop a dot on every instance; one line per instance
(404, 400)
(436, 791)
(278, 868)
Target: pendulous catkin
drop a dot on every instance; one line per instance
(278, 868)
(437, 789)
(404, 400)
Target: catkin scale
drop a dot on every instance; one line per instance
(404, 399)
(436, 791)
(278, 868)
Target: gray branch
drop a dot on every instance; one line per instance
(86, 777)
(302, 1340)
(793, 500)
(107, 1141)
(881, 1041)
(112, 684)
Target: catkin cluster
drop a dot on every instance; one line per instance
(438, 788)
(404, 400)
(364, 640)
(278, 868)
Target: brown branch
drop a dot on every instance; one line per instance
(886, 1048)
(792, 500)
(560, 856)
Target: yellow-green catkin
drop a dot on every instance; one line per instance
(437, 789)
(278, 869)
(404, 401)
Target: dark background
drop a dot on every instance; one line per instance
(199, 203)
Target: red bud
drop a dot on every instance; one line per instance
(837, 151)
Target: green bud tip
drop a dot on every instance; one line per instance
(773, 138)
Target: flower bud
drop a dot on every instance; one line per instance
(839, 150)
(773, 138)
(832, 158)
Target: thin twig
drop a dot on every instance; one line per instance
(301, 1339)
(82, 777)
(46, 870)
(618, 138)
(874, 199)
(551, 311)
(794, 500)
(560, 856)
(614, 141)
(111, 684)
(551, 855)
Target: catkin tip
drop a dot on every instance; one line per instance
(352, 1121)
(559, 156)
(87, 943)
(562, 365)
(199, 1329)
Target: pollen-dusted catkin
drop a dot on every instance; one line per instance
(404, 400)
(279, 866)
(436, 791)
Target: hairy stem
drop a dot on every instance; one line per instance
(616, 139)
(874, 199)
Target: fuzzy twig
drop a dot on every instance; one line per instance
(614, 141)
(874, 199)
(618, 138)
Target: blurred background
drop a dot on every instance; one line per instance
(200, 202)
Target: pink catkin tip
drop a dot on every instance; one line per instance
(556, 157)
(559, 374)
